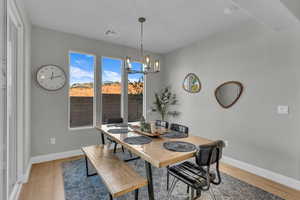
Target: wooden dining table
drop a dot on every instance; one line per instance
(153, 153)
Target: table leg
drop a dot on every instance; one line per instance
(102, 138)
(150, 182)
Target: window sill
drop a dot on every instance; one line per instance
(81, 128)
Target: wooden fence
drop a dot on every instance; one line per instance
(81, 109)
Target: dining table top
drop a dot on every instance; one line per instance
(154, 152)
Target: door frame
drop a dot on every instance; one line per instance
(3, 11)
(14, 16)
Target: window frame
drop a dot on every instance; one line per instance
(94, 97)
(97, 98)
(144, 109)
(124, 90)
(100, 87)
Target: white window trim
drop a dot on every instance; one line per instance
(94, 97)
(97, 99)
(124, 105)
(124, 91)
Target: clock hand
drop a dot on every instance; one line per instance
(52, 75)
(56, 76)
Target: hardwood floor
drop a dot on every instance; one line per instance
(46, 182)
(263, 183)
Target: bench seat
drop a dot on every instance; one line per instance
(117, 175)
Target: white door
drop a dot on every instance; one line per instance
(12, 63)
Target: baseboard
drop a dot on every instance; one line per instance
(25, 177)
(61, 155)
(22, 180)
(284, 180)
(16, 192)
(55, 156)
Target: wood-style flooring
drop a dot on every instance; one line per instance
(46, 182)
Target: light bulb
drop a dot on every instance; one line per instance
(145, 67)
(128, 62)
(147, 60)
(156, 66)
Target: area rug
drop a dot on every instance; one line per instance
(79, 187)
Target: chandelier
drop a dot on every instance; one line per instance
(148, 65)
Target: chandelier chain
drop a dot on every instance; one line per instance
(142, 35)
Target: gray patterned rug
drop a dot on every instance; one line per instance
(79, 187)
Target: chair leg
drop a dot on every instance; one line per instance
(173, 184)
(115, 147)
(192, 193)
(188, 189)
(212, 194)
(123, 149)
(136, 194)
(108, 144)
(198, 193)
(168, 177)
(130, 154)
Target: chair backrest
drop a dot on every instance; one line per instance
(206, 156)
(161, 123)
(114, 120)
(209, 153)
(179, 128)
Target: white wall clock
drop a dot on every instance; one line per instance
(51, 77)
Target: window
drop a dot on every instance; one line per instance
(81, 89)
(135, 94)
(82, 96)
(111, 88)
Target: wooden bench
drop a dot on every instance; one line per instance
(117, 175)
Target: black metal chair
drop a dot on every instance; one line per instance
(161, 123)
(182, 129)
(118, 120)
(179, 128)
(199, 176)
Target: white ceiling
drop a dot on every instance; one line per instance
(171, 24)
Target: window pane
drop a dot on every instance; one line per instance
(81, 90)
(135, 94)
(111, 88)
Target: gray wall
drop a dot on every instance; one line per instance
(293, 6)
(267, 63)
(50, 109)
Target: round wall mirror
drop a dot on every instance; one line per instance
(228, 93)
(191, 83)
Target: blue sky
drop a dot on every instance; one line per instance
(82, 69)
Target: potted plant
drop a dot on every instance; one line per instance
(164, 99)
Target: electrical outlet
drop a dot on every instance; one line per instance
(283, 109)
(52, 140)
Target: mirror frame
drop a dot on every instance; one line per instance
(200, 84)
(236, 99)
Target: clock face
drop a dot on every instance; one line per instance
(51, 77)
